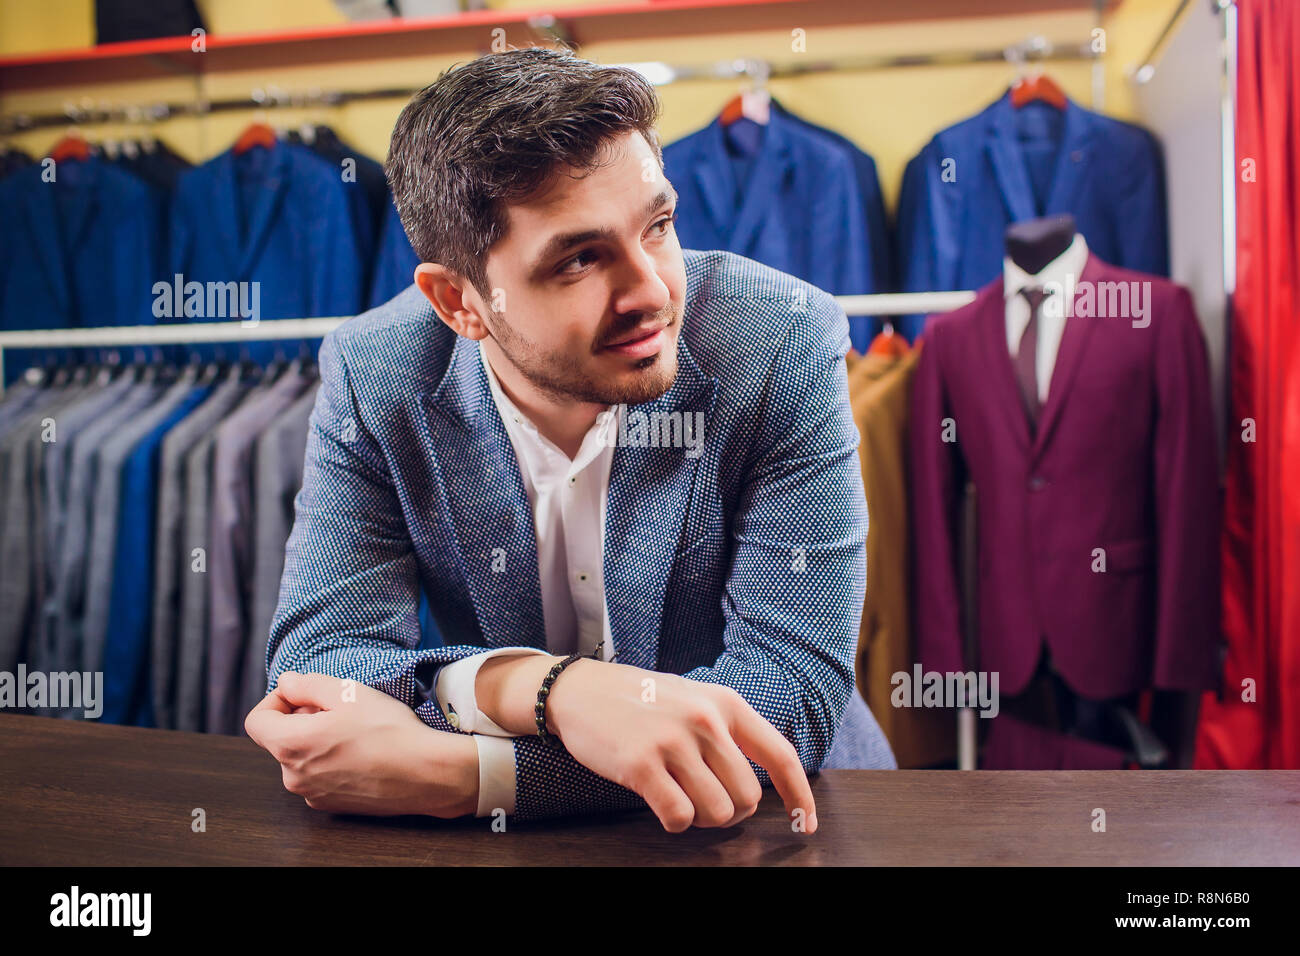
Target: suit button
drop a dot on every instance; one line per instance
(1037, 483)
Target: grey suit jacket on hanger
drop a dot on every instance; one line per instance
(68, 599)
(278, 476)
(21, 554)
(230, 554)
(192, 646)
(103, 535)
(55, 468)
(171, 562)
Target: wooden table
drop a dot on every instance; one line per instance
(82, 794)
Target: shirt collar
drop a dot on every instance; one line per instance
(1068, 263)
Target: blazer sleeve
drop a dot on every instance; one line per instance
(793, 601)
(937, 475)
(349, 593)
(1187, 506)
(915, 240)
(1143, 233)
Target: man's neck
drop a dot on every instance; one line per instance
(564, 423)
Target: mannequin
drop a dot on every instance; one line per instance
(1034, 243)
(1049, 701)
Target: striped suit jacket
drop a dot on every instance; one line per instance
(740, 562)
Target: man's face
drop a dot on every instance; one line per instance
(588, 263)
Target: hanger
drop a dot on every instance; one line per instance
(257, 134)
(1037, 87)
(1032, 86)
(753, 103)
(72, 146)
(889, 343)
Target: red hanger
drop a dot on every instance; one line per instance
(1042, 87)
(71, 146)
(258, 134)
(889, 344)
(753, 105)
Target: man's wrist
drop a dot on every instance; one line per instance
(507, 688)
(453, 777)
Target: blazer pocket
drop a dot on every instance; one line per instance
(1131, 555)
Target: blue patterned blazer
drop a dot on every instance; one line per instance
(743, 563)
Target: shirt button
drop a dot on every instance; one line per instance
(1037, 483)
(453, 718)
(582, 575)
(573, 479)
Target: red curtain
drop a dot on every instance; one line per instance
(1261, 535)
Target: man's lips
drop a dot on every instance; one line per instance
(638, 336)
(645, 344)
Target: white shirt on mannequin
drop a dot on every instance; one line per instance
(1051, 320)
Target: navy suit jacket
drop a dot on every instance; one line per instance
(395, 261)
(743, 565)
(800, 210)
(1007, 165)
(79, 251)
(292, 231)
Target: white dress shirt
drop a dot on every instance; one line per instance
(568, 499)
(1051, 315)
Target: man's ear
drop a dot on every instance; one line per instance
(452, 297)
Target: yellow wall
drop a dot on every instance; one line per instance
(889, 113)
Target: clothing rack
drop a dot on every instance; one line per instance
(1033, 49)
(267, 330)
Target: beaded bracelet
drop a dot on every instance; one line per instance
(539, 711)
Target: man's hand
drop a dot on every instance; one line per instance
(678, 743)
(348, 748)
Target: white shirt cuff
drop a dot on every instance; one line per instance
(496, 775)
(455, 689)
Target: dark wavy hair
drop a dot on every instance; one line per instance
(495, 130)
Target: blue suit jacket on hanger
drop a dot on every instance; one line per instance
(395, 261)
(79, 251)
(1007, 165)
(879, 241)
(800, 209)
(290, 229)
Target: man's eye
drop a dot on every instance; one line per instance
(579, 258)
(665, 223)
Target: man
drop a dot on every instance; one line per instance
(577, 439)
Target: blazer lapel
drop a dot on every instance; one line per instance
(649, 490)
(82, 212)
(763, 190)
(265, 207)
(488, 506)
(717, 188)
(1072, 162)
(993, 323)
(225, 210)
(1009, 163)
(43, 224)
(1074, 341)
